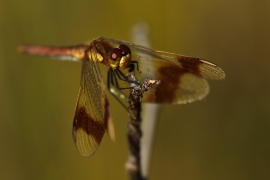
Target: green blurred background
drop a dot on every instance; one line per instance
(225, 136)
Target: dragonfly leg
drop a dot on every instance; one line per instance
(133, 63)
(122, 77)
(111, 80)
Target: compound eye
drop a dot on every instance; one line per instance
(115, 54)
(125, 49)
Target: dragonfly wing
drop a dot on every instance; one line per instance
(177, 86)
(182, 77)
(92, 114)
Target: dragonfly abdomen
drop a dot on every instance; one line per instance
(76, 52)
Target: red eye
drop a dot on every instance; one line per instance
(115, 54)
(125, 49)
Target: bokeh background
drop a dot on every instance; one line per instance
(225, 136)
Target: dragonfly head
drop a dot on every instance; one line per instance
(120, 57)
(126, 56)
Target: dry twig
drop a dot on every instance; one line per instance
(134, 132)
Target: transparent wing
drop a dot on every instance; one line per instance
(92, 114)
(182, 77)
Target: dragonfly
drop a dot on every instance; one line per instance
(183, 80)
